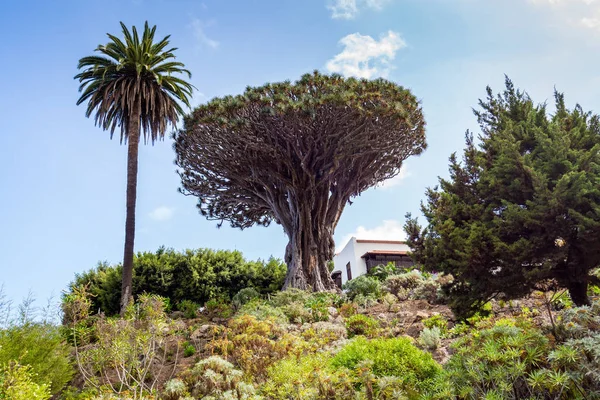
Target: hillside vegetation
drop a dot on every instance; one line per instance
(388, 336)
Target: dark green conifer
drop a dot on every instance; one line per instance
(522, 209)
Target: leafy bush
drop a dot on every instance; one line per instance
(301, 306)
(408, 280)
(502, 361)
(417, 285)
(188, 349)
(288, 296)
(188, 308)
(381, 272)
(317, 306)
(17, 382)
(363, 285)
(244, 296)
(365, 301)
(437, 321)
(580, 360)
(297, 313)
(360, 324)
(254, 345)
(175, 389)
(42, 349)
(348, 309)
(195, 275)
(131, 349)
(397, 357)
(309, 377)
(430, 338)
(214, 378)
(263, 311)
(321, 334)
(217, 308)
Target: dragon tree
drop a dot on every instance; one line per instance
(296, 154)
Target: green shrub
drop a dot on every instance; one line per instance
(580, 359)
(365, 301)
(348, 309)
(42, 348)
(254, 345)
(262, 311)
(408, 280)
(297, 313)
(218, 308)
(212, 378)
(132, 349)
(17, 382)
(244, 296)
(188, 349)
(500, 361)
(437, 320)
(317, 306)
(175, 389)
(430, 338)
(195, 275)
(381, 272)
(363, 285)
(397, 357)
(188, 308)
(288, 296)
(309, 377)
(360, 324)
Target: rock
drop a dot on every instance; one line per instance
(414, 330)
(203, 331)
(176, 315)
(421, 315)
(179, 325)
(332, 311)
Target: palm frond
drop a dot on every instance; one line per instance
(133, 71)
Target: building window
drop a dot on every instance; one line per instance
(348, 271)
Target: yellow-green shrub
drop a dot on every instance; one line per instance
(360, 324)
(254, 345)
(398, 357)
(17, 383)
(308, 377)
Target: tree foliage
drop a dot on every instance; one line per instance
(194, 275)
(523, 206)
(296, 154)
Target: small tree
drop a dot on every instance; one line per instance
(521, 209)
(295, 154)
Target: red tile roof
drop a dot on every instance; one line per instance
(380, 241)
(386, 253)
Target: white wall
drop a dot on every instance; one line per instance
(354, 250)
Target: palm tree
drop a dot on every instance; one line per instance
(131, 85)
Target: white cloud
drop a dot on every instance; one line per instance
(397, 180)
(582, 13)
(162, 213)
(198, 28)
(349, 9)
(365, 57)
(390, 229)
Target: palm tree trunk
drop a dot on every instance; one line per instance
(133, 140)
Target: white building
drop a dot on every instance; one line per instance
(359, 256)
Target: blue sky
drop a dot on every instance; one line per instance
(62, 202)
